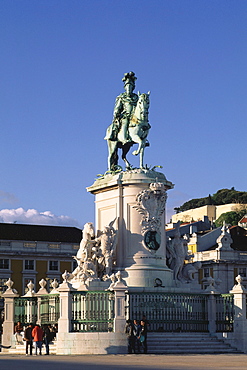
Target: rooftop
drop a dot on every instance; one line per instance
(44, 233)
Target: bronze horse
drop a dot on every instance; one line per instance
(138, 132)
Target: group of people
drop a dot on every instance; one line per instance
(137, 335)
(37, 336)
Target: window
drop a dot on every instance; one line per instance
(30, 245)
(206, 272)
(54, 246)
(4, 264)
(242, 271)
(29, 265)
(53, 265)
(5, 244)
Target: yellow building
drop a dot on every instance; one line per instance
(33, 252)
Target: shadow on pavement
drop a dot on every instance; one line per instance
(124, 362)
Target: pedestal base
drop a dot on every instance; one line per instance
(145, 277)
(117, 197)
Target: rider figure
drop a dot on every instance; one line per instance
(124, 106)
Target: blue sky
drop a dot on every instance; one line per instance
(61, 68)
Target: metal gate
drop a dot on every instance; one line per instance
(170, 312)
(224, 312)
(25, 310)
(92, 311)
(49, 309)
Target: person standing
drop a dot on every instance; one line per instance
(47, 338)
(136, 333)
(28, 338)
(143, 335)
(37, 334)
(130, 335)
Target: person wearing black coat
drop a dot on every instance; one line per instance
(129, 331)
(28, 338)
(47, 338)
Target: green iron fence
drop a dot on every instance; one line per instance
(92, 311)
(224, 312)
(25, 310)
(49, 309)
(169, 312)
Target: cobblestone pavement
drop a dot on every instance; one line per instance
(124, 362)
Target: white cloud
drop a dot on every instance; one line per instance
(32, 216)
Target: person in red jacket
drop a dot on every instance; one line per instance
(37, 334)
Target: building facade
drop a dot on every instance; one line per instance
(33, 252)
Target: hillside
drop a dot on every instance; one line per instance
(222, 196)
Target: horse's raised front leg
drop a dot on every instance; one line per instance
(141, 146)
(125, 150)
(138, 141)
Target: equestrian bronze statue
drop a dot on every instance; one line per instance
(129, 126)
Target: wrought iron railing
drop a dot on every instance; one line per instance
(224, 312)
(49, 309)
(169, 311)
(25, 310)
(92, 311)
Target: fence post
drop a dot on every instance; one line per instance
(64, 321)
(240, 322)
(119, 289)
(42, 291)
(211, 291)
(9, 313)
(211, 313)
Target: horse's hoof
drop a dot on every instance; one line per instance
(135, 152)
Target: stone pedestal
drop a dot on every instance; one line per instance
(64, 322)
(9, 310)
(116, 198)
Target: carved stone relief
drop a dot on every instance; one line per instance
(151, 205)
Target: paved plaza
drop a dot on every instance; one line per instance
(124, 362)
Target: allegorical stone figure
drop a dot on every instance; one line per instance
(124, 105)
(96, 255)
(177, 253)
(86, 243)
(107, 245)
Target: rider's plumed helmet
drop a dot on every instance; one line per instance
(129, 78)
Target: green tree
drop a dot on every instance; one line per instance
(231, 218)
(222, 196)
